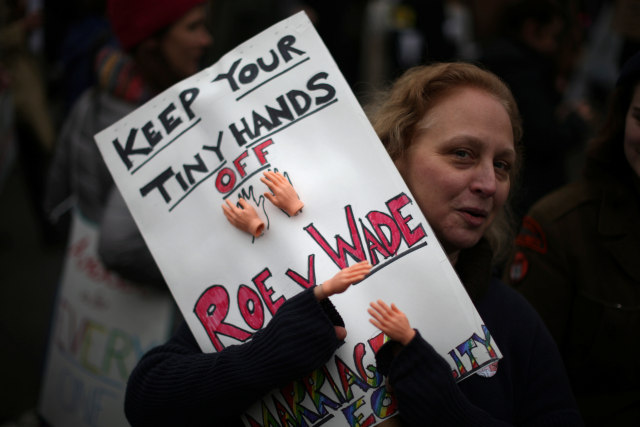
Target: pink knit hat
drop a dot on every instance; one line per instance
(133, 21)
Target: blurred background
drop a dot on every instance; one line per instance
(47, 50)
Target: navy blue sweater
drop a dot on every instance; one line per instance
(176, 384)
(529, 388)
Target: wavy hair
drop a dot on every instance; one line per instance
(395, 112)
(605, 152)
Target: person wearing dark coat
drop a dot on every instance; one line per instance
(453, 131)
(578, 263)
(523, 55)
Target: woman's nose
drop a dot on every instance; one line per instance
(484, 180)
(205, 38)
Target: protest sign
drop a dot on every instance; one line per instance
(279, 102)
(102, 325)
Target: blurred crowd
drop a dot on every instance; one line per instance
(560, 58)
(560, 62)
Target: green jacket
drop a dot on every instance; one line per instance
(578, 263)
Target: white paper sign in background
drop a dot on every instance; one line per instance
(102, 326)
(279, 102)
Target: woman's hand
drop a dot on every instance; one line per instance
(245, 219)
(391, 321)
(282, 193)
(342, 280)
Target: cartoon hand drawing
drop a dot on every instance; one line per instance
(245, 218)
(342, 280)
(339, 283)
(391, 321)
(282, 195)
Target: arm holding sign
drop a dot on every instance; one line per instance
(391, 321)
(342, 280)
(425, 388)
(177, 384)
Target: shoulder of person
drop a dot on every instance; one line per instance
(511, 301)
(565, 201)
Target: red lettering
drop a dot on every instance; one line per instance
(379, 220)
(376, 342)
(250, 307)
(410, 236)
(266, 292)
(212, 308)
(376, 241)
(374, 245)
(259, 151)
(225, 180)
(339, 256)
(239, 165)
(311, 272)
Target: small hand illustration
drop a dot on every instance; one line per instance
(342, 280)
(391, 321)
(282, 193)
(245, 218)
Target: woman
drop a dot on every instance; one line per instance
(159, 43)
(452, 131)
(578, 264)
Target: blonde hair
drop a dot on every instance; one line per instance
(395, 112)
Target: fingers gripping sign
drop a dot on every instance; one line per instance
(282, 193)
(245, 218)
(391, 321)
(342, 280)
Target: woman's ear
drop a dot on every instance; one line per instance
(147, 51)
(152, 64)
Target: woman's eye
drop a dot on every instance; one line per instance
(462, 153)
(502, 165)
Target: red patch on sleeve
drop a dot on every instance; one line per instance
(519, 267)
(531, 236)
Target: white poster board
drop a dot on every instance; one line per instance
(279, 102)
(102, 325)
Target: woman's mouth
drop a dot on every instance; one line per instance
(474, 217)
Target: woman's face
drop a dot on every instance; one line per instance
(457, 166)
(186, 41)
(632, 132)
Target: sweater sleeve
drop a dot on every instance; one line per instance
(178, 384)
(425, 389)
(530, 387)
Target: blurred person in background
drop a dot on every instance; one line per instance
(22, 61)
(525, 54)
(160, 43)
(578, 264)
